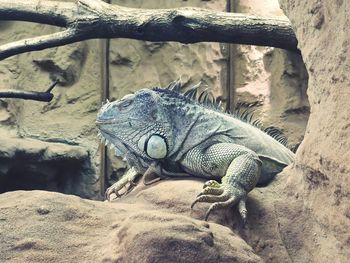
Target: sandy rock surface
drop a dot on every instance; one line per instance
(151, 224)
(273, 79)
(155, 224)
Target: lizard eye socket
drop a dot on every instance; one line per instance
(124, 105)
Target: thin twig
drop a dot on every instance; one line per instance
(46, 96)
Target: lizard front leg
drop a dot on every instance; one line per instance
(153, 174)
(241, 170)
(127, 182)
(156, 172)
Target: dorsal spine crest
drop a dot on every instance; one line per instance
(172, 94)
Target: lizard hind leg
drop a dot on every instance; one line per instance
(240, 178)
(239, 169)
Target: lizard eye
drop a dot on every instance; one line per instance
(125, 104)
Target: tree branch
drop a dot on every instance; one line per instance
(44, 12)
(88, 19)
(38, 43)
(29, 95)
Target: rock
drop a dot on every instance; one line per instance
(34, 164)
(320, 175)
(155, 224)
(5, 115)
(64, 68)
(44, 226)
(286, 106)
(274, 79)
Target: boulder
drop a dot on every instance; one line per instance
(151, 224)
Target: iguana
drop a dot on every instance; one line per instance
(168, 133)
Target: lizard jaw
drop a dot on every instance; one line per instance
(114, 144)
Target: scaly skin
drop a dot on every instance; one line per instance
(161, 132)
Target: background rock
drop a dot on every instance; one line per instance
(32, 164)
(273, 79)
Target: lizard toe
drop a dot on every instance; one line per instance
(116, 188)
(219, 205)
(110, 191)
(211, 183)
(211, 190)
(243, 210)
(208, 198)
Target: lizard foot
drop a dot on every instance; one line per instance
(117, 188)
(222, 196)
(123, 186)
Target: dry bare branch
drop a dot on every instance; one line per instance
(88, 19)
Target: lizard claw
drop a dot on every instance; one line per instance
(221, 196)
(109, 192)
(243, 210)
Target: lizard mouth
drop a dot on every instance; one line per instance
(108, 121)
(113, 142)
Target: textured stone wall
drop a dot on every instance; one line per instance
(274, 79)
(68, 120)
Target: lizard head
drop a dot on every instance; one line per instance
(136, 123)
